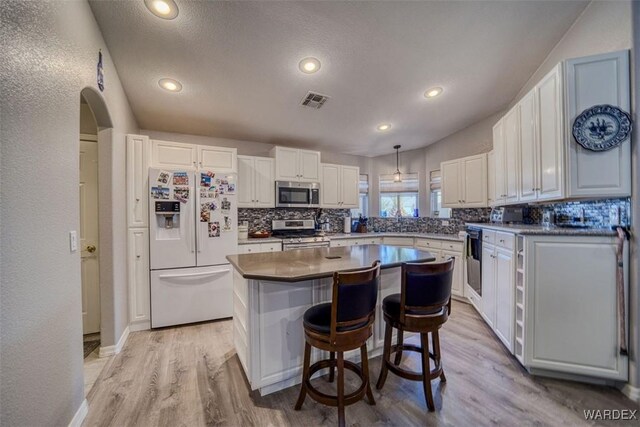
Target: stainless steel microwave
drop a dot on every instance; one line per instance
(297, 194)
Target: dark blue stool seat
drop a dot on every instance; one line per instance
(318, 318)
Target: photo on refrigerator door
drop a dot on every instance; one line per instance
(180, 178)
(160, 193)
(181, 194)
(163, 177)
(227, 225)
(214, 229)
(225, 206)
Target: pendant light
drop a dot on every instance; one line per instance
(397, 176)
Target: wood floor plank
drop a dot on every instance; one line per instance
(191, 376)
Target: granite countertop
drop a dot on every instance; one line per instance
(537, 229)
(341, 236)
(437, 236)
(307, 264)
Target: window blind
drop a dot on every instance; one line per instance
(409, 183)
(435, 181)
(363, 184)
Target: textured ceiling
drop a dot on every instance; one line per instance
(238, 62)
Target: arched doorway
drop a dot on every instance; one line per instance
(93, 101)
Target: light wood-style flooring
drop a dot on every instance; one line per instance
(190, 376)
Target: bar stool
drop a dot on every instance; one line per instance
(344, 324)
(423, 306)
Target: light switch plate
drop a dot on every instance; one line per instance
(73, 241)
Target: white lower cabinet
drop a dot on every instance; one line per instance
(504, 308)
(571, 318)
(489, 284)
(138, 277)
(457, 286)
(398, 241)
(498, 284)
(355, 241)
(254, 248)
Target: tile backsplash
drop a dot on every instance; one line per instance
(260, 219)
(596, 214)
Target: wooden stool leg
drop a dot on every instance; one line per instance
(332, 357)
(341, 421)
(365, 371)
(385, 355)
(400, 341)
(305, 375)
(435, 340)
(426, 369)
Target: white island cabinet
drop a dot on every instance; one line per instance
(273, 290)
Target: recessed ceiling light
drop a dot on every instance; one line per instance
(170, 84)
(309, 65)
(433, 92)
(165, 9)
(383, 127)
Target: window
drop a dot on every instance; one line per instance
(435, 186)
(363, 208)
(399, 198)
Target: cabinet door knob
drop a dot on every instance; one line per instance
(138, 256)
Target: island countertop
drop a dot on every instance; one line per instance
(317, 263)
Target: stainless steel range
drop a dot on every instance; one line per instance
(298, 234)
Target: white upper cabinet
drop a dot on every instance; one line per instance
(536, 156)
(219, 159)
(589, 81)
(464, 182)
(330, 188)
(246, 182)
(256, 183)
(451, 184)
(309, 163)
(177, 155)
(499, 177)
(339, 188)
(293, 164)
(527, 182)
(550, 153)
(474, 181)
(350, 187)
(173, 155)
(491, 178)
(511, 143)
(137, 180)
(286, 164)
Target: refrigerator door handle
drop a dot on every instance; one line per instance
(204, 274)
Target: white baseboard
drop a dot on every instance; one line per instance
(81, 413)
(111, 350)
(631, 392)
(143, 325)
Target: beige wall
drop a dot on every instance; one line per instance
(50, 50)
(87, 121)
(604, 26)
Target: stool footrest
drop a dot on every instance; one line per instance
(411, 375)
(332, 400)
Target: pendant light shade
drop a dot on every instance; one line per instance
(397, 176)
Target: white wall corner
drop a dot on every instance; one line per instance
(112, 350)
(81, 413)
(631, 392)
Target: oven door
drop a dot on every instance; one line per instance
(296, 194)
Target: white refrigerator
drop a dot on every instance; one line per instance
(192, 227)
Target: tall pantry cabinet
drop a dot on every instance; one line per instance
(138, 157)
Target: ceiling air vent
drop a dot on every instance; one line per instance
(314, 100)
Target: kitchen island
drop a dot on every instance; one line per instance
(271, 292)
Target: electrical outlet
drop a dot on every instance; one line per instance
(73, 241)
(614, 215)
(445, 223)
